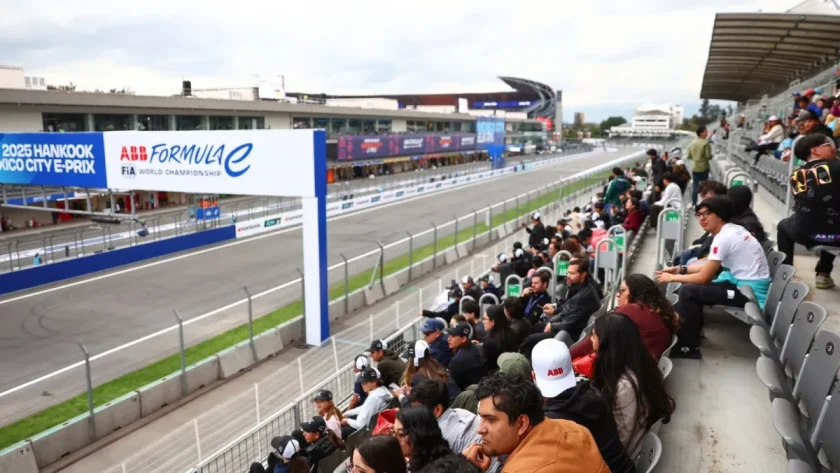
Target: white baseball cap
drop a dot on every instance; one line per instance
(599, 224)
(772, 118)
(362, 362)
(421, 350)
(536, 216)
(552, 364)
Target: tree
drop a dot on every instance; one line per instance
(64, 88)
(611, 122)
(704, 109)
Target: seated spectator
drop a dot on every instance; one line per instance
(671, 192)
(380, 454)
(458, 426)
(643, 204)
(467, 367)
(536, 296)
(512, 423)
(388, 364)
(326, 409)
(564, 230)
(378, 398)
(469, 288)
(453, 463)
(322, 441)
(744, 216)
(455, 295)
(572, 315)
(617, 186)
(359, 395)
(515, 313)
(286, 457)
(572, 245)
(438, 346)
(681, 175)
(630, 380)
(421, 365)
(578, 402)
(599, 210)
(816, 205)
(585, 242)
(769, 141)
(515, 363)
(537, 233)
(640, 299)
(700, 247)
(809, 122)
(733, 248)
(421, 440)
(471, 311)
(488, 286)
(634, 218)
(461, 319)
(499, 337)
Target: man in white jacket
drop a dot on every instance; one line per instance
(378, 398)
(672, 191)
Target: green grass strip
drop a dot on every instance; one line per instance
(60, 413)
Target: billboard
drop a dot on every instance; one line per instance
(246, 162)
(503, 104)
(53, 159)
(373, 146)
(271, 87)
(491, 131)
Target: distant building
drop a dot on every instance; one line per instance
(651, 119)
(580, 118)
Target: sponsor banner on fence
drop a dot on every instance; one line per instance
(246, 162)
(491, 131)
(366, 147)
(53, 159)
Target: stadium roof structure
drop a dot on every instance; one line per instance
(543, 97)
(753, 54)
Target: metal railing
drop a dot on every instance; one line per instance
(210, 317)
(291, 387)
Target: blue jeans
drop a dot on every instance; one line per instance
(696, 179)
(683, 258)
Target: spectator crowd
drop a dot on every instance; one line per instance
(552, 381)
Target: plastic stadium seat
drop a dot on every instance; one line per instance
(665, 366)
(768, 246)
(651, 452)
(771, 371)
(827, 431)
(799, 466)
(777, 288)
(774, 260)
(564, 337)
(674, 339)
(655, 427)
(332, 461)
(811, 389)
(673, 298)
(769, 342)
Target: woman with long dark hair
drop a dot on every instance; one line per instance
(629, 379)
(499, 338)
(380, 454)
(640, 299)
(422, 365)
(420, 437)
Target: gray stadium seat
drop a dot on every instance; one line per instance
(674, 339)
(673, 298)
(655, 427)
(799, 466)
(777, 288)
(812, 387)
(771, 371)
(768, 246)
(564, 337)
(827, 431)
(651, 452)
(769, 342)
(665, 366)
(774, 260)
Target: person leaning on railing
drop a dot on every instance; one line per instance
(816, 204)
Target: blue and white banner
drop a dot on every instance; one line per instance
(53, 159)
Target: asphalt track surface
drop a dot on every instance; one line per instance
(39, 329)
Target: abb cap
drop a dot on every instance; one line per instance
(552, 367)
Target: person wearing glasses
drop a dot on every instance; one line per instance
(816, 204)
(733, 248)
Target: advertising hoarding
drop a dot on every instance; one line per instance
(373, 146)
(53, 159)
(491, 131)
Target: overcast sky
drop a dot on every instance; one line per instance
(607, 56)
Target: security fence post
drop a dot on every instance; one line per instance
(434, 255)
(475, 229)
(456, 235)
(182, 353)
(346, 285)
(410, 253)
(251, 322)
(92, 424)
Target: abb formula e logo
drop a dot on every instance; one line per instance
(134, 153)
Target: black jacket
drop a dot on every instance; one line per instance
(584, 405)
(475, 292)
(534, 306)
(537, 235)
(321, 449)
(744, 215)
(658, 168)
(491, 289)
(494, 346)
(451, 310)
(521, 328)
(467, 367)
(439, 349)
(573, 314)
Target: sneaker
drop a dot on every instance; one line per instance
(687, 353)
(824, 282)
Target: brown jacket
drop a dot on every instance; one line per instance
(556, 446)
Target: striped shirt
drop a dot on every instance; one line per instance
(459, 428)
